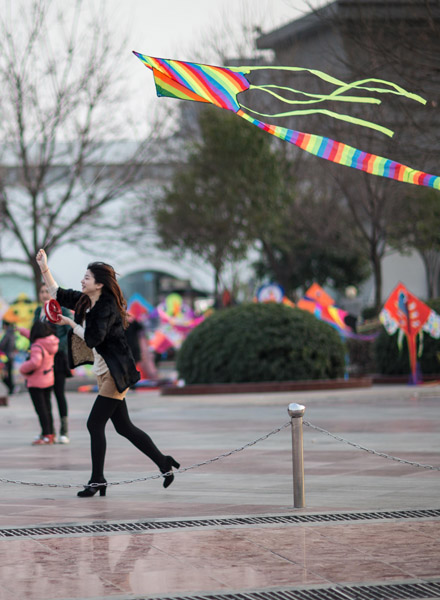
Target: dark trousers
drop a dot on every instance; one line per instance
(8, 377)
(58, 388)
(116, 410)
(41, 400)
(61, 369)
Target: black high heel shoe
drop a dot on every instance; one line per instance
(169, 464)
(91, 490)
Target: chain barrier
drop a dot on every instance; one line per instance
(370, 451)
(220, 457)
(158, 475)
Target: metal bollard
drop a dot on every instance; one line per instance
(296, 412)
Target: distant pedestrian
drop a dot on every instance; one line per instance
(38, 371)
(7, 347)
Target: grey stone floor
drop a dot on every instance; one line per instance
(397, 420)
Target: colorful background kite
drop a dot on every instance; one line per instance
(21, 312)
(139, 307)
(176, 320)
(272, 292)
(221, 85)
(405, 313)
(322, 305)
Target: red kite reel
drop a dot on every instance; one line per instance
(52, 310)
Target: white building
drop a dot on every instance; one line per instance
(141, 265)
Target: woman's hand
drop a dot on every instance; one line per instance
(65, 321)
(42, 259)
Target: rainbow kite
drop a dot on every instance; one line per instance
(221, 85)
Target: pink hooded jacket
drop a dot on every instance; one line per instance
(38, 369)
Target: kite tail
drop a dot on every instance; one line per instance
(412, 350)
(343, 154)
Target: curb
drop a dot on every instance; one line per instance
(267, 386)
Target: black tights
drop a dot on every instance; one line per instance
(116, 410)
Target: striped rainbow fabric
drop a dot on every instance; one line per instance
(220, 86)
(348, 156)
(191, 81)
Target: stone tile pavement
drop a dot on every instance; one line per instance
(173, 561)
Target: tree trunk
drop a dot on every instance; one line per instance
(431, 261)
(428, 273)
(279, 274)
(377, 274)
(436, 282)
(37, 277)
(217, 303)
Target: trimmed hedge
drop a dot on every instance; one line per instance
(391, 361)
(260, 342)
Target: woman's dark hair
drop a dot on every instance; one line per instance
(40, 329)
(105, 274)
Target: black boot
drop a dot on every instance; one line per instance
(169, 463)
(91, 490)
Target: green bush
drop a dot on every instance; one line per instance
(392, 361)
(260, 342)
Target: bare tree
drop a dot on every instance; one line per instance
(396, 40)
(61, 112)
(399, 41)
(419, 229)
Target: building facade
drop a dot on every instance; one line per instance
(398, 40)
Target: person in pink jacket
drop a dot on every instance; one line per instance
(38, 371)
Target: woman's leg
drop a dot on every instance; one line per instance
(38, 399)
(123, 425)
(101, 412)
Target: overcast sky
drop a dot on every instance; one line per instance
(189, 30)
(160, 28)
(185, 29)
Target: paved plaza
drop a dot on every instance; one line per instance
(228, 528)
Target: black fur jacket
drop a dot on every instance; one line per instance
(104, 332)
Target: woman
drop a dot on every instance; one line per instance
(97, 337)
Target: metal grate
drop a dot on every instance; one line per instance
(391, 591)
(141, 526)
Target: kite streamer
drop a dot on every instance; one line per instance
(221, 85)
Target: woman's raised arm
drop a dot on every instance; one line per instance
(45, 271)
